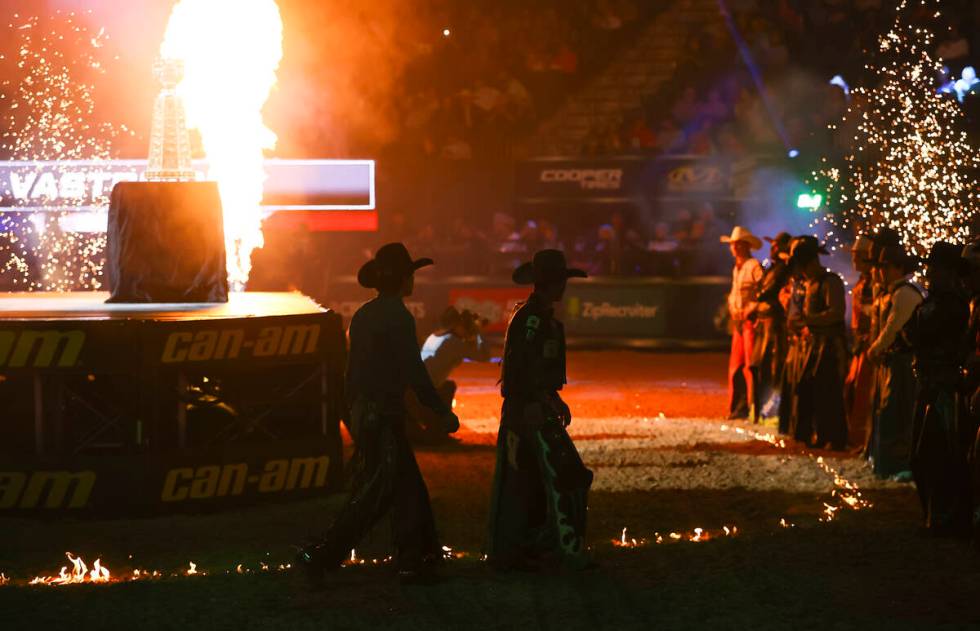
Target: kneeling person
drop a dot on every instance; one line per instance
(538, 502)
(444, 351)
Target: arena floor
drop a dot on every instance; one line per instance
(733, 529)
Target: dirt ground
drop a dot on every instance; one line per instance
(650, 426)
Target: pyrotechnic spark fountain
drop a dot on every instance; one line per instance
(231, 52)
(912, 168)
(50, 115)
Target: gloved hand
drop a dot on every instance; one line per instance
(564, 411)
(450, 422)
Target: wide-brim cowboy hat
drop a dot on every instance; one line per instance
(971, 254)
(781, 241)
(863, 247)
(390, 261)
(949, 255)
(805, 248)
(893, 254)
(547, 266)
(745, 235)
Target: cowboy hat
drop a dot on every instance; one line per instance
(547, 266)
(780, 242)
(948, 255)
(743, 234)
(392, 261)
(895, 254)
(804, 249)
(971, 254)
(863, 246)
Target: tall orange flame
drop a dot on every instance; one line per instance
(231, 51)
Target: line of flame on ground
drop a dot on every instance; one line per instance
(845, 494)
(695, 535)
(79, 573)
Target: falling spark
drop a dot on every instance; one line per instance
(229, 73)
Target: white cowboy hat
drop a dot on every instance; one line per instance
(743, 234)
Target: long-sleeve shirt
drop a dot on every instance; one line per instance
(937, 331)
(824, 307)
(534, 353)
(745, 289)
(773, 281)
(902, 301)
(443, 353)
(862, 302)
(384, 359)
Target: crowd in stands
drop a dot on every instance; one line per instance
(774, 93)
(618, 246)
(502, 66)
(499, 67)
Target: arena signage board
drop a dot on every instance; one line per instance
(623, 179)
(656, 312)
(195, 480)
(83, 346)
(543, 179)
(328, 187)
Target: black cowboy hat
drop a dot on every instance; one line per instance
(805, 248)
(392, 261)
(547, 266)
(782, 241)
(895, 254)
(948, 255)
(882, 238)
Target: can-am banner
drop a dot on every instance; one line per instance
(196, 480)
(83, 186)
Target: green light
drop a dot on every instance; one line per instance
(808, 201)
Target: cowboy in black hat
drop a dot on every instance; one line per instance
(941, 438)
(894, 399)
(538, 502)
(823, 353)
(795, 329)
(971, 387)
(769, 353)
(384, 362)
(859, 384)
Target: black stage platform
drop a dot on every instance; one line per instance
(149, 407)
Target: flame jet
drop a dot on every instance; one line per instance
(231, 51)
